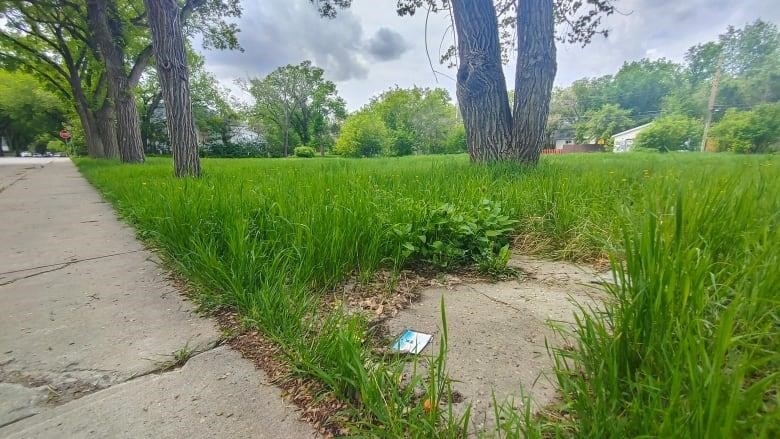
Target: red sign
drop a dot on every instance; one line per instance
(64, 134)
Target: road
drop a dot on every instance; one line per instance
(90, 324)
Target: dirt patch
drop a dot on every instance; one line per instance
(499, 333)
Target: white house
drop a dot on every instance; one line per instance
(624, 141)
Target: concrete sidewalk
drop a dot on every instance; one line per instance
(88, 321)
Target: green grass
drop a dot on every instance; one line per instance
(688, 348)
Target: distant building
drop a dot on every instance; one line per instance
(563, 137)
(624, 141)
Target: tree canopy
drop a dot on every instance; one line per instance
(30, 115)
(295, 105)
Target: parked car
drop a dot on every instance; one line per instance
(25, 154)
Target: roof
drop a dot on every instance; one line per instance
(632, 130)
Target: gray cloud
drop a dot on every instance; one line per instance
(386, 45)
(276, 33)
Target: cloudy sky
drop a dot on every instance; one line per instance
(368, 48)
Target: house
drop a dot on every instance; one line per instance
(624, 141)
(562, 137)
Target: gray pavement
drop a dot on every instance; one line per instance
(499, 333)
(89, 322)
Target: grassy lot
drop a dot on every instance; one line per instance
(688, 348)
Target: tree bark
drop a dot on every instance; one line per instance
(168, 41)
(481, 86)
(495, 132)
(536, 68)
(106, 125)
(87, 117)
(91, 133)
(107, 33)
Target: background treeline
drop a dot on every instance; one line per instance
(296, 110)
(744, 63)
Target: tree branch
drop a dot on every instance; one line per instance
(141, 61)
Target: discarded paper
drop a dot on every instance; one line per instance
(410, 341)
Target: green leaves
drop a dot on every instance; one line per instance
(450, 236)
(753, 131)
(671, 133)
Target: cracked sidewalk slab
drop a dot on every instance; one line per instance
(88, 317)
(498, 332)
(216, 394)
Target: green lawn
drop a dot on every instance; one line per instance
(688, 348)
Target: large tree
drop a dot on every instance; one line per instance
(168, 40)
(108, 36)
(50, 39)
(495, 130)
(296, 104)
(166, 21)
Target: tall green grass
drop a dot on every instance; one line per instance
(688, 347)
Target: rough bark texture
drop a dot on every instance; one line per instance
(106, 124)
(91, 133)
(87, 118)
(166, 26)
(536, 67)
(481, 86)
(494, 131)
(107, 33)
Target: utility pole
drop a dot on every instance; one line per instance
(711, 102)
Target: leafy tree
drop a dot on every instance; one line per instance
(641, 86)
(752, 131)
(28, 113)
(364, 134)
(419, 119)
(600, 125)
(49, 39)
(296, 105)
(57, 41)
(670, 133)
(108, 37)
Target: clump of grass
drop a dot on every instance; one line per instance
(688, 348)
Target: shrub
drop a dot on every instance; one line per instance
(304, 152)
(448, 236)
(670, 133)
(363, 134)
(456, 141)
(752, 131)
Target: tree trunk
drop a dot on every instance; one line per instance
(87, 118)
(481, 86)
(536, 67)
(166, 26)
(106, 28)
(106, 124)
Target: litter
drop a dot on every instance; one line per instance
(411, 342)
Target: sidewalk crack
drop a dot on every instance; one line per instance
(58, 266)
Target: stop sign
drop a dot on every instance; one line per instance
(64, 134)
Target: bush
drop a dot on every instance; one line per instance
(670, 133)
(456, 141)
(363, 134)
(304, 152)
(448, 236)
(752, 131)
